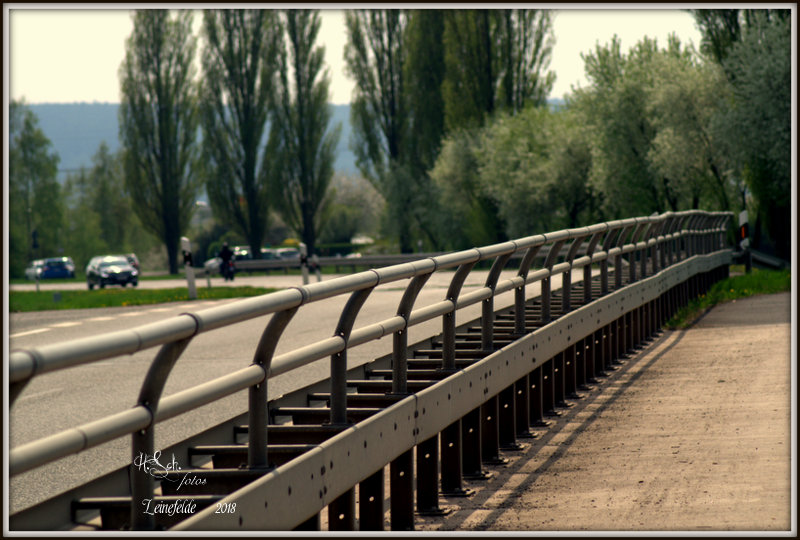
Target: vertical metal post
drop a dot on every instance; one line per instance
(597, 233)
(546, 300)
(257, 394)
(452, 463)
(400, 338)
(522, 408)
(536, 399)
(552, 255)
(559, 382)
(507, 419)
(370, 503)
(490, 432)
(548, 389)
(566, 277)
(519, 292)
(570, 373)
(347, 319)
(311, 524)
(342, 512)
(471, 446)
(487, 306)
(449, 319)
(428, 477)
(401, 491)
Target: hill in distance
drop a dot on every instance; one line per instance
(77, 130)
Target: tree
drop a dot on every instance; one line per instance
(722, 28)
(375, 55)
(526, 43)
(82, 223)
(99, 217)
(240, 67)
(158, 124)
(34, 195)
(423, 72)
(495, 60)
(616, 106)
(463, 219)
(682, 103)
(755, 126)
(301, 148)
(535, 165)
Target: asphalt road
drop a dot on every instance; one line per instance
(61, 400)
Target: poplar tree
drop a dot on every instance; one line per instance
(301, 147)
(240, 68)
(375, 55)
(158, 124)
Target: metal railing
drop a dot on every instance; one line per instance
(650, 245)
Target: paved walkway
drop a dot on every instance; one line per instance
(691, 434)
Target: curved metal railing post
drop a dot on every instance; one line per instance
(487, 306)
(400, 338)
(655, 253)
(587, 270)
(641, 226)
(552, 255)
(258, 414)
(675, 242)
(689, 228)
(339, 360)
(519, 292)
(649, 233)
(143, 441)
(611, 236)
(623, 235)
(449, 318)
(566, 277)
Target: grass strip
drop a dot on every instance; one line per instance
(19, 301)
(755, 283)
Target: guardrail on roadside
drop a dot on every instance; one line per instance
(664, 253)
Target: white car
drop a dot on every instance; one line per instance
(34, 269)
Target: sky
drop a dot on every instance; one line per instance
(57, 55)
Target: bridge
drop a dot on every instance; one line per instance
(393, 434)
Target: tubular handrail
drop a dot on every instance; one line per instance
(699, 231)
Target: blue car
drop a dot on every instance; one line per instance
(51, 268)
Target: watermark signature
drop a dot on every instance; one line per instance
(170, 472)
(152, 466)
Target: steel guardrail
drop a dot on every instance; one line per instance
(651, 244)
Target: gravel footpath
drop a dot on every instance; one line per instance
(691, 434)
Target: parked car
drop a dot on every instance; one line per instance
(111, 270)
(268, 254)
(288, 253)
(34, 269)
(51, 268)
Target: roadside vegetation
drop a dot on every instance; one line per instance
(19, 301)
(741, 286)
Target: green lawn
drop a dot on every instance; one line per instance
(44, 300)
(757, 282)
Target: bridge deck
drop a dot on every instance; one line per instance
(693, 433)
